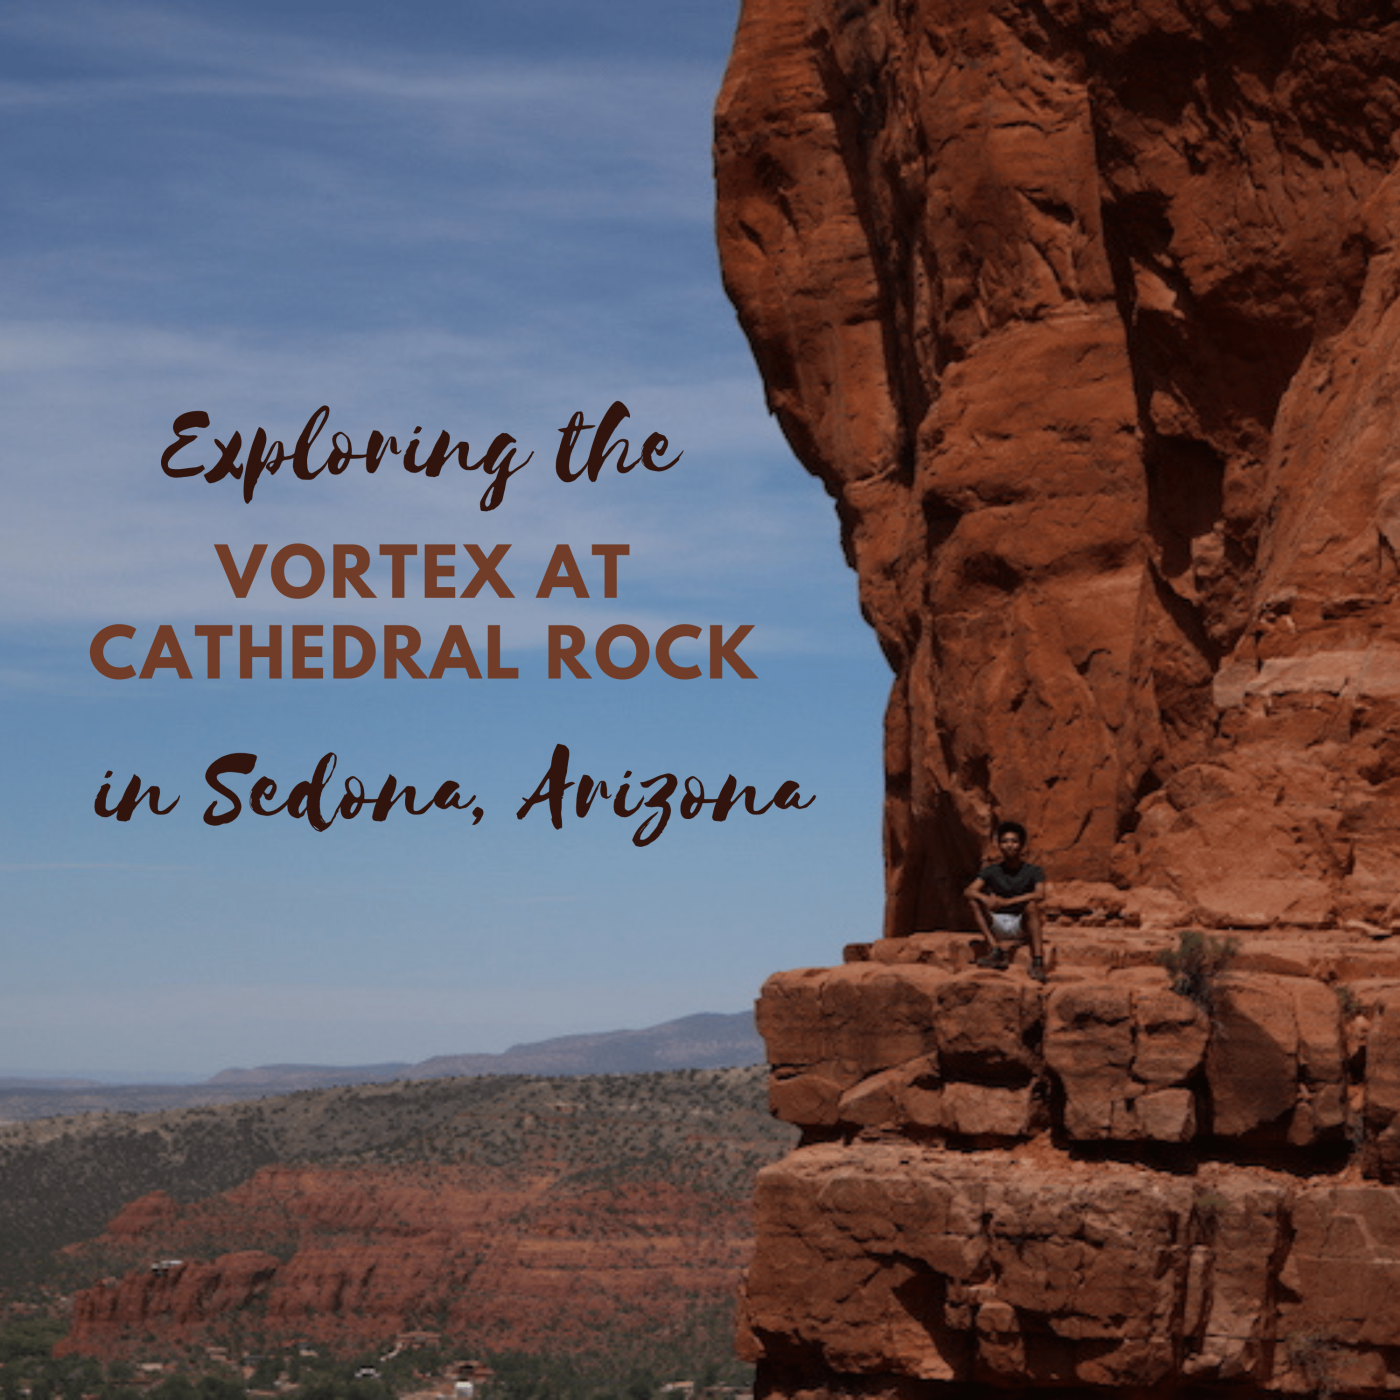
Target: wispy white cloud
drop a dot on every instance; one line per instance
(94, 532)
(493, 107)
(42, 866)
(548, 168)
(256, 209)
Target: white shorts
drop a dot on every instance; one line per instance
(1007, 925)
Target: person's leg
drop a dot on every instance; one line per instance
(1033, 927)
(996, 957)
(979, 913)
(1008, 934)
(1035, 930)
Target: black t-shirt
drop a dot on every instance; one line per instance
(998, 880)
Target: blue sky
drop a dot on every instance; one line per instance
(475, 217)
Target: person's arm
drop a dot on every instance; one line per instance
(978, 893)
(1022, 902)
(983, 898)
(983, 903)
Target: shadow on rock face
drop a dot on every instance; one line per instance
(1085, 314)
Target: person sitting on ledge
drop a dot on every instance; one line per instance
(1006, 898)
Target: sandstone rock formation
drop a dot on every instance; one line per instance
(1085, 313)
(1091, 1183)
(349, 1257)
(606, 1214)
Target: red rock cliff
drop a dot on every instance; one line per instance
(1085, 313)
(1092, 1183)
(350, 1256)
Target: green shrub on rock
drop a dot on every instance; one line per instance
(1196, 965)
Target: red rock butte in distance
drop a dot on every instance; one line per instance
(349, 1257)
(1085, 313)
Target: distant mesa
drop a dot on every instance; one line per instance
(707, 1040)
(309, 1076)
(20, 1081)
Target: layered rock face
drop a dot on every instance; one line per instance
(1085, 313)
(348, 1257)
(1092, 1183)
